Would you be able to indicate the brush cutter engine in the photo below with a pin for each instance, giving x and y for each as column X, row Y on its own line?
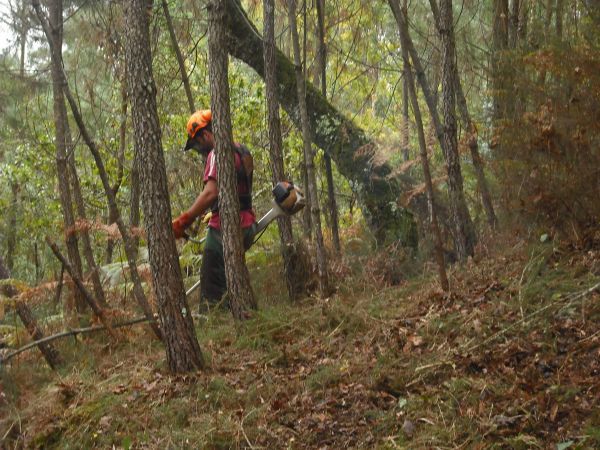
column 289, row 197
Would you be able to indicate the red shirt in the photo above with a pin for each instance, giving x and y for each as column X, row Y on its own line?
column 247, row 217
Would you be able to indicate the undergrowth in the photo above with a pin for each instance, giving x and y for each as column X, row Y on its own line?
column 509, row 359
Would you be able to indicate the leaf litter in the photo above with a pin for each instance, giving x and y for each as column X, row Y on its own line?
column 510, row 357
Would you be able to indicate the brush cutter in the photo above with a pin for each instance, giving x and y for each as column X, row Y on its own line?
column 287, row 200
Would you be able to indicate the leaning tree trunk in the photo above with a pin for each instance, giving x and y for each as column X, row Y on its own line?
column 322, row 54
column 183, row 350
column 56, row 56
column 180, row 61
column 465, row 246
column 48, row 350
column 241, row 297
column 347, row 144
column 295, row 283
column 62, row 165
column 309, row 157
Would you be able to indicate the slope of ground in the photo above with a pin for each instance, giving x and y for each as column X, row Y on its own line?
column 510, row 359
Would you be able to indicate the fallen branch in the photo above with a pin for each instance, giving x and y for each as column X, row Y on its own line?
column 72, row 332
column 99, row 312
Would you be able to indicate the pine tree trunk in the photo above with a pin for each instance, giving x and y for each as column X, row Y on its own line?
column 465, row 245
column 49, row 352
column 309, row 157
column 295, row 284
column 62, row 164
column 179, row 336
column 184, row 76
column 322, row 53
column 241, row 297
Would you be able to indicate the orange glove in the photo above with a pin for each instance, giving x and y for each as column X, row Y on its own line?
column 180, row 224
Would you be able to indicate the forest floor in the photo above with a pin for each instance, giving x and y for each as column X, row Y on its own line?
column 510, row 359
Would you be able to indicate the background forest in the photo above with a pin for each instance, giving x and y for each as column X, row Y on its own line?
column 442, row 291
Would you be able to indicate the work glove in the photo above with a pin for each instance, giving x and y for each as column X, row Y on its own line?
column 181, row 223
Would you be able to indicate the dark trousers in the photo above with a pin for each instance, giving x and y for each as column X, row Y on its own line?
column 213, row 283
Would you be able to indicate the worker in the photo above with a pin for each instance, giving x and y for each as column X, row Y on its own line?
column 212, row 273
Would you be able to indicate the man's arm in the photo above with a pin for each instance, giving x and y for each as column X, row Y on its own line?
column 206, row 198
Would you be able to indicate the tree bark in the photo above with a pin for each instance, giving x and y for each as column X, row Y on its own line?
column 322, row 52
column 182, row 348
column 465, row 245
column 55, row 39
column 309, row 157
column 241, row 296
column 180, row 61
column 347, row 144
column 294, row 283
column 49, row 352
column 138, row 291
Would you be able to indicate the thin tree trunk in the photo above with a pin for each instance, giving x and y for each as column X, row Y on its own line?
column 138, row 291
column 464, row 232
column 241, row 296
column 11, row 232
column 180, row 61
column 295, row 284
column 55, row 8
column 473, row 140
column 499, row 45
column 322, row 52
column 405, row 126
column 523, row 19
column 88, row 252
column 306, row 214
column 309, row 157
column 434, row 227
column 98, row 311
column 49, row 352
column 559, row 19
column 465, row 246
column 513, row 24
column 179, row 336
column 110, row 245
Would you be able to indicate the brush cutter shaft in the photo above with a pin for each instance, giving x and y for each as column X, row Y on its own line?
column 288, row 200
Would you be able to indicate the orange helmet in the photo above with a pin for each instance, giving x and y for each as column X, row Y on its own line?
column 197, row 121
